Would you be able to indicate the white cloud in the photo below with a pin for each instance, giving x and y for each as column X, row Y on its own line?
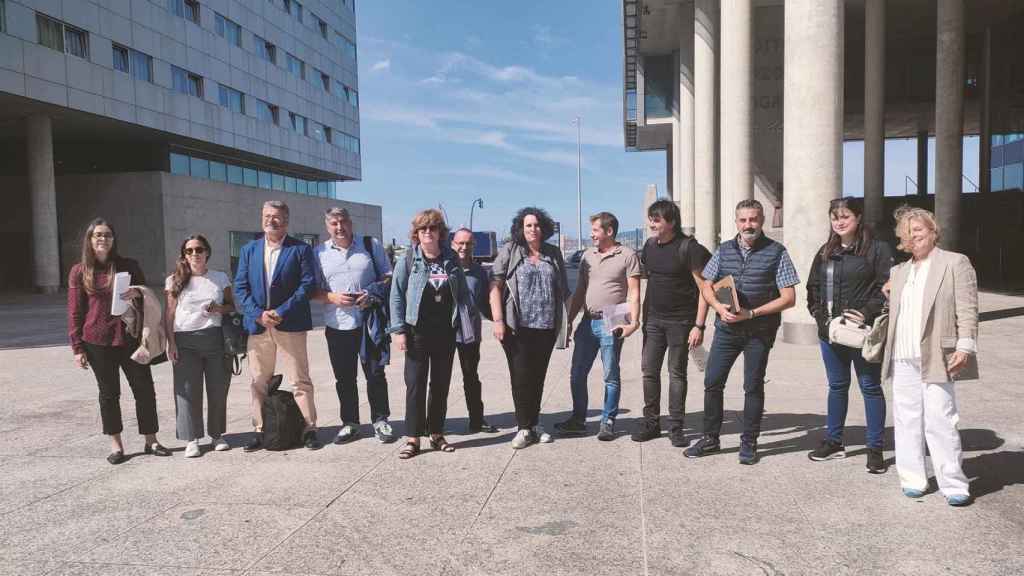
column 381, row 66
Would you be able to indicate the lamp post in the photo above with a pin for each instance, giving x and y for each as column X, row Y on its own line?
column 478, row 202
column 578, row 121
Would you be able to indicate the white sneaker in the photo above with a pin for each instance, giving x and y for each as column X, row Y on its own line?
column 220, row 444
column 542, row 436
column 192, row 449
column 523, row 439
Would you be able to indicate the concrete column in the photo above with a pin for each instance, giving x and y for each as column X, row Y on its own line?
column 737, row 109
column 685, row 147
column 650, row 197
column 670, row 168
column 985, row 145
column 949, row 119
column 874, row 112
column 45, row 249
column 922, row 162
column 705, row 151
column 812, row 157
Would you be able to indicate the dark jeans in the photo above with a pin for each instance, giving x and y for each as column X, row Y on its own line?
column 105, row 362
column 528, row 352
column 200, row 357
column 729, row 343
column 428, row 354
column 837, row 360
column 343, row 347
column 469, row 360
column 661, row 336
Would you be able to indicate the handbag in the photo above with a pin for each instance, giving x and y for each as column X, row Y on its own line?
column 874, row 343
column 235, row 340
column 848, row 329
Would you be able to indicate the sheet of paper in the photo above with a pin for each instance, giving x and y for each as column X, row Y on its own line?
column 615, row 315
column 122, row 280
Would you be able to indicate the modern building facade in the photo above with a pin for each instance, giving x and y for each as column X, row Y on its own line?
column 755, row 98
column 170, row 118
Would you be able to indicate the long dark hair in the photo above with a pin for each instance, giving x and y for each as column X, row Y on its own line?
column 90, row 265
column 182, row 270
column 547, row 225
column 863, row 237
column 668, row 211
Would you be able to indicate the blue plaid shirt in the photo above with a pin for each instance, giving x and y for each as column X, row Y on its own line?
column 785, row 276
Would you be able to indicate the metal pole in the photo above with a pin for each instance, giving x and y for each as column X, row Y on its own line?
column 579, row 183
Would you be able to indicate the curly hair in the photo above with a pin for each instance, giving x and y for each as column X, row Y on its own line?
column 425, row 218
column 547, row 225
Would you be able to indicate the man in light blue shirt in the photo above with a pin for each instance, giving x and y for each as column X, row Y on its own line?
column 352, row 269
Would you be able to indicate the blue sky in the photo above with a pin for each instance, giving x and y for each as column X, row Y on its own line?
column 465, row 99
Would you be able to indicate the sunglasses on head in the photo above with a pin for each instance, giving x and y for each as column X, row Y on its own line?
column 196, row 250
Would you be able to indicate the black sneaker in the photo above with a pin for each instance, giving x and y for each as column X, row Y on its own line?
column 828, row 450
column 876, row 462
column 678, row 437
column 310, row 441
column 255, row 444
column 748, row 453
column 646, row 430
column 706, row 445
column 481, row 426
column 571, row 427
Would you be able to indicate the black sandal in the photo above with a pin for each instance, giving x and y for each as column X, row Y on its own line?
column 116, row 457
column 409, row 450
column 439, row 443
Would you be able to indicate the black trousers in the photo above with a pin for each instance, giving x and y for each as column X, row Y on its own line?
column 429, row 355
column 662, row 336
column 105, row 362
column 343, row 348
column 528, row 352
column 469, row 360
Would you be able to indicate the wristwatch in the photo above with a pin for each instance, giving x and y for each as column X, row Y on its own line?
column 700, row 327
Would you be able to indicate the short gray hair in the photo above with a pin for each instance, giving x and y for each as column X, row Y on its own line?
column 749, row 203
column 277, row 205
column 337, row 212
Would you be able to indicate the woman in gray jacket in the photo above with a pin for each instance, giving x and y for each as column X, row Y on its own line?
column 431, row 308
column 529, row 291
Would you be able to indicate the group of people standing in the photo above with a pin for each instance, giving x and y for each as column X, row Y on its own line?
column 431, row 304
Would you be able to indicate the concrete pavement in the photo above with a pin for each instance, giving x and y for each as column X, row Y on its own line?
column 572, row 507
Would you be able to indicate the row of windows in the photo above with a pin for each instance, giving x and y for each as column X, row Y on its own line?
column 62, row 37
column 1009, row 177
column 185, row 165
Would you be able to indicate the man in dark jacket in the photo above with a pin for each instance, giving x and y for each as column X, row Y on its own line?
column 764, row 278
column 479, row 282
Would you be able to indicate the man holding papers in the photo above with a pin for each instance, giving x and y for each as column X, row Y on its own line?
column 608, row 292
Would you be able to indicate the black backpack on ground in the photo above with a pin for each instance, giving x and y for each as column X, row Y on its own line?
column 283, row 423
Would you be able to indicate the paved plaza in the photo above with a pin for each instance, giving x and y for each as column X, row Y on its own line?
column 577, row 506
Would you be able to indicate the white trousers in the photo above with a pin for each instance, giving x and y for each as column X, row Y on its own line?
column 926, row 412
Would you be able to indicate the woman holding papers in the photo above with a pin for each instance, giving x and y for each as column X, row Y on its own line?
column 99, row 338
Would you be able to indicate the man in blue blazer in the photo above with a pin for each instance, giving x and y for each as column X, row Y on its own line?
column 275, row 279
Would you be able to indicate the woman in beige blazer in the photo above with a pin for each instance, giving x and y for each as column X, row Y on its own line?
column 932, row 341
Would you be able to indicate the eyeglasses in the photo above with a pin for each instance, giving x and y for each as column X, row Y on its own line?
column 197, row 250
column 430, row 228
column 106, row 235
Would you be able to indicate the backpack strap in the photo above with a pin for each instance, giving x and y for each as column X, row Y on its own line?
column 368, row 246
column 684, row 246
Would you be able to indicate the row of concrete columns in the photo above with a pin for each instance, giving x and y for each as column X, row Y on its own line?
column 813, row 120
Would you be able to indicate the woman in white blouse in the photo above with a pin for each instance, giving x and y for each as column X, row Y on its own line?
column 932, row 341
column 196, row 299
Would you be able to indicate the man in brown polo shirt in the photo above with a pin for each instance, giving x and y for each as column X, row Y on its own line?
column 609, row 276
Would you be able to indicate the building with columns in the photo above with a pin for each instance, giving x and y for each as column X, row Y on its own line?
column 170, row 118
column 755, row 98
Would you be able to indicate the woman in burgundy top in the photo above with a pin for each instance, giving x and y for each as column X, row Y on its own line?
column 99, row 339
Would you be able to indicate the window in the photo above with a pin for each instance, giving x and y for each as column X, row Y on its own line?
column 295, row 66
column 320, row 25
column 316, row 131
column 353, row 98
column 231, row 99
column 179, row 164
column 265, row 179
column 229, row 30
column 298, row 122
column 328, row 135
column 249, row 177
column 266, row 111
column 289, row 184
column 199, row 168
column 293, row 8
column 325, row 81
column 277, row 181
column 265, row 50
column 187, row 9
column 62, row 37
column 186, row 82
column 218, row 171
column 235, row 174
column 121, row 58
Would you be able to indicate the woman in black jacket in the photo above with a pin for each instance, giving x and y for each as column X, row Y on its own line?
column 847, row 276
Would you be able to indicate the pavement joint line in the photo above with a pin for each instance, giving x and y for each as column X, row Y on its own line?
column 643, row 515
column 58, row 492
column 321, row 510
column 120, row 534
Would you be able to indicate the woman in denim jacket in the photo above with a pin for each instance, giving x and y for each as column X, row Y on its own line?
column 529, row 292
column 431, row 309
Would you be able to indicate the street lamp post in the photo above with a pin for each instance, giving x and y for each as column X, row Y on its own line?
column 478, row 202
column 579, row 182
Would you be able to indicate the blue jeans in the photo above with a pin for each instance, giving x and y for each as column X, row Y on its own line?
column 590, row 339
column 837, row 368
column 729, row 343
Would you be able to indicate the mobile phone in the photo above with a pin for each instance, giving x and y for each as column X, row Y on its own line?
column 617, row 332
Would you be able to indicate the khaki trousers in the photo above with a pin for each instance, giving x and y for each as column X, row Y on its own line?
column 263, row 349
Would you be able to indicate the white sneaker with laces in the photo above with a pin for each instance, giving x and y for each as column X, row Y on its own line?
column 192, row 449
column 542, row 436
column 220, row 444
column 523, row 439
